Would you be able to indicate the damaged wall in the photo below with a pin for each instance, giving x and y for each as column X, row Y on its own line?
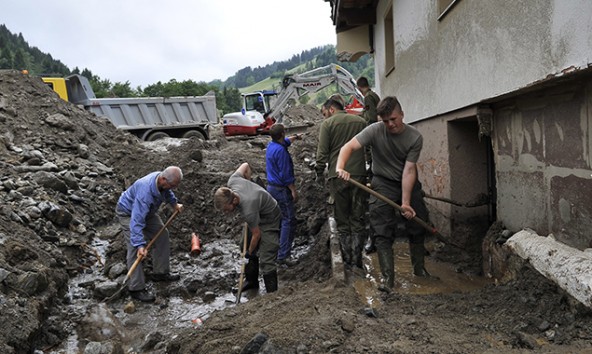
column 543, row 156
column 454, row 166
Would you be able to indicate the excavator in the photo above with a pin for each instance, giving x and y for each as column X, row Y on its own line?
column 262, row 109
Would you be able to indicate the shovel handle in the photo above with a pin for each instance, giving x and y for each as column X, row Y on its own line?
column 242, row 274
column 422, row 223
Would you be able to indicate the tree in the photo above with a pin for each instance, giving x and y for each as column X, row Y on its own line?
column 123, row 90
column 6, row 59
column 101, row 88
column 20, row 60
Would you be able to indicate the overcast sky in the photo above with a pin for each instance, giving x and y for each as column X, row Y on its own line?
column 146, row 41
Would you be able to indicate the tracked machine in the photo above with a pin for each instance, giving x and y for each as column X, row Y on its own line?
column 264, row 108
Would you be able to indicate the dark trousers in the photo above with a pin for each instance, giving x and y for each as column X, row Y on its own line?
column 384, row 219
column 283, row 196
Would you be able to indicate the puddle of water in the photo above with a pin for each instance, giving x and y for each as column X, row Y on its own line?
column 169, row 313
column 407, row 283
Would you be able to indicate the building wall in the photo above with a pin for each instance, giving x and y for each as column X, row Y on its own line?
column 543, row 157
column 481, row 53
column 479, row 50
column 454, row 166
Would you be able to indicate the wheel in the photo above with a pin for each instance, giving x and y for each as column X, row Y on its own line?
column 194, row 133
column 157, row 135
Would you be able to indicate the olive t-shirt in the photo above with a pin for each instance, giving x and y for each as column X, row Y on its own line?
column 256, row 205
column 391, row 151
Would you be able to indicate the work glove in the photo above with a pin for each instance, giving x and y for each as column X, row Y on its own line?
column 248, row 255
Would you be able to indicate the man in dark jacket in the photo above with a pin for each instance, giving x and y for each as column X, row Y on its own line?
column 281, row 185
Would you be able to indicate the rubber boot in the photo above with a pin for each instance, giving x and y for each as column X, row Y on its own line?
column 387, row 268
column 417, row 252
column 271, row 281
column 357, row 246
column 345, row 245
column 370, row 246
column 251, row 274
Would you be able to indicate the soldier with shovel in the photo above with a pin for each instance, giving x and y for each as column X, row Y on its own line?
column 396, row 147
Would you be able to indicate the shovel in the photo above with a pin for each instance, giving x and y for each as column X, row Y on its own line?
column 242, row 273
column 139, row 259
column 422, row 223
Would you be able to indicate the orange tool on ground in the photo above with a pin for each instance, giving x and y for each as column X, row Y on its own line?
column 195, row 245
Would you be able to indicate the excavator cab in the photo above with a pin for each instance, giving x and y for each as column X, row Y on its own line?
column 260, row 101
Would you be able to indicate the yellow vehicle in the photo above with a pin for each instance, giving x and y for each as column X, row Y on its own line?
column 58, row 84
column 149, row 118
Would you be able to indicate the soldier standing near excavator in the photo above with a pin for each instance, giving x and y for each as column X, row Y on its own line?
column 262, row 215
column 349, row 206
column 396, row 147
column 371, row 100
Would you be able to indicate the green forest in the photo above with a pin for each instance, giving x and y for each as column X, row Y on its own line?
column 16, row 53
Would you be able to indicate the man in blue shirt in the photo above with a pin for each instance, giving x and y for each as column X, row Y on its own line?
column 280, row 184
column 137, row 212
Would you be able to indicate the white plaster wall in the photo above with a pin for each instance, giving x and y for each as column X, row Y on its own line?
column 481, row 49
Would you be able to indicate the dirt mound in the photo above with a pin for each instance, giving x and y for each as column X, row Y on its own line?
column 62, row 172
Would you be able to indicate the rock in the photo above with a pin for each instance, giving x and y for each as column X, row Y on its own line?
column 130, row 307
column 60, row 121
column 100, row 325
column 32, row 283
column 196, row 155
column 83, row 151
column 209, row 296
column 116, row 270
column 50, row 180
column 33, row 212
column 105, row 289
column 254, row 346
column 348, row 324
column 526, row 340
column 151, row 341
column 3, row 274
column 55, row 214
column 70, row 180
column 544, row 326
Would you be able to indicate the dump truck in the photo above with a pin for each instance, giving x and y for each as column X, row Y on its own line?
column 148, row 118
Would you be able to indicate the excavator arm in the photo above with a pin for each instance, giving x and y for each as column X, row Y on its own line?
column 295, row 86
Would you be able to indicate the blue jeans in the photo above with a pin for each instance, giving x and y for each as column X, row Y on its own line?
column 288, row 223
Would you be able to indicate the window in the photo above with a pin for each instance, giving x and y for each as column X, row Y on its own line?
column 389, row 42
column 444, row 7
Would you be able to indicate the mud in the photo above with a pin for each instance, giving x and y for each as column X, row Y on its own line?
column 60, row 252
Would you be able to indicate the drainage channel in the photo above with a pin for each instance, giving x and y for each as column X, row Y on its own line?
column 204, row 287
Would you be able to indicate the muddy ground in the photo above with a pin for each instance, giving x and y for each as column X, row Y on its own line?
column 60, row 255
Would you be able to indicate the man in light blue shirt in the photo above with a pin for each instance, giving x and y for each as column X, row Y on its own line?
column 137, row 212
